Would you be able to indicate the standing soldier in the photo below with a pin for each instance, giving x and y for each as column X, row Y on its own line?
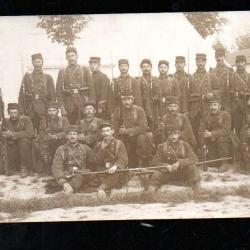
column 203, row 85
column 125, row 83
column 74, row 86
column 52, row 133
column 224, row 75
column 111, row 155
column 183, row 80
column 215, row 131
column 102, row 88
column 18, row 132
column 70, row 157
column 148, row 87
column 180, row 161
column 239, row 91
column 90, row 126
column 37, row 88
column 166, row 86
column 130, row 125
column 172, row 117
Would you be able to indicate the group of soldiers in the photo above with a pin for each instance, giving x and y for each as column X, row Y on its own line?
column 87, row 123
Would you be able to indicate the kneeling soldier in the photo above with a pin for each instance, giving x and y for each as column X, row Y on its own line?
column 70, row 157
column 18, row 132
column 179, row 159
column 90, row 126
column 52, row 133
column 130, row 125
column 214, row 132
column 111, row 155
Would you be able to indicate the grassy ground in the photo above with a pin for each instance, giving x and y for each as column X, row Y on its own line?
column 215, row 187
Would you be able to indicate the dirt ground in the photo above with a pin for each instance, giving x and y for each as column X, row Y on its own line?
column 222, row 195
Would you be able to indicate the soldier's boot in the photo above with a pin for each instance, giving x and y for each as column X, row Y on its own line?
column 24, row 172
column 101, row 194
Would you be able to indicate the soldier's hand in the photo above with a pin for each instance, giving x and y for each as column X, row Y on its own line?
column 169, row 168
column 105, row 142
column 68, row 190
column 175, row 166
column 207, row 134
column 112, row 170
column 52, row 137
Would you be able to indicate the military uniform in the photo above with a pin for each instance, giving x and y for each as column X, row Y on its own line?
column 113, row 154
column 67, row 157
column 124, row 84
column 183, row 79
column 166, row 86
column 102, row 90
column 91, row 131
column 135, row 121
column 239, row 92
column 74, row 87
column 170, row 153
column 37, row 88
column 19, row 144
column 185, row 128
column 224, row 75
column 201, row 84
column 219, row 124
column 47, row 146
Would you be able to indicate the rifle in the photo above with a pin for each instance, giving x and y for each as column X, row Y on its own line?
column 161, row 129
column 204, row 149
column 228, row 92
column 148, row 170
column 4, row 149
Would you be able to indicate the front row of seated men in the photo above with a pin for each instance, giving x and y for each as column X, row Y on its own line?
column 96, row 145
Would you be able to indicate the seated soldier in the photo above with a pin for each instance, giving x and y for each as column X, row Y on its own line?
column 111, row 155
column 90, row 126
column 214, row 133
column 130, row 125
column 172, row 117
column 245, row 145
column 179, row 159
column 18, row 132
column 70, row 157
column 52, row 133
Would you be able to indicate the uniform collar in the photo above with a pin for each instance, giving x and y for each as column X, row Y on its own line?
column 164, row 76
column 39, row 71
column 201, row 71
column 73, row 146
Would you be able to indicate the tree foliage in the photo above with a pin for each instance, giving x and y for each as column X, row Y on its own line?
column 243, row 41
column 63, row 29
column 206, row 23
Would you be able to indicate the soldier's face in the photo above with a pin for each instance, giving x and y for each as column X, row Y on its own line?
column 52, row 112
column 163, row 69
column 123, row 68
column 214, row 107
column 219, row 59
column 173, row 108
column 127, row 102
column 37, row 63
column 107, row 132
column 71, row 57
column 146, row 68
column 180, row 66
column 89, row 111
column 174, row 136
column 14, row 114
column 94, row 66
column 72, row 137
column 200, row 63
column 241, row 65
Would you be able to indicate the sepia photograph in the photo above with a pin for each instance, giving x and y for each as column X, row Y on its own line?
column 124, row 116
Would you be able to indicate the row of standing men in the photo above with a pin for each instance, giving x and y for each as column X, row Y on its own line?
column 135, row 106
